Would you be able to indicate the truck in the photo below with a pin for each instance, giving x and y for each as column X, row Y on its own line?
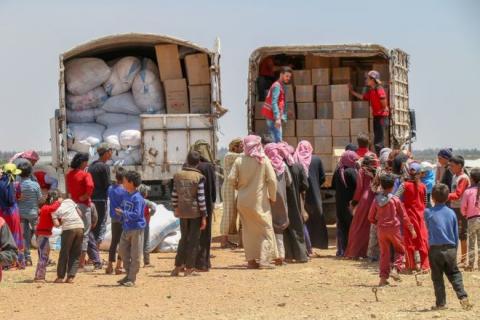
column 360, row 58
column 165, row 138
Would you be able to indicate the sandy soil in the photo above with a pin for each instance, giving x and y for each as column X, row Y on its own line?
column 325, row 288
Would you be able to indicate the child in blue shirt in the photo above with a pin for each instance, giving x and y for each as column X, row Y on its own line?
column 133, row 222
column 443, row 240
column 116, row 194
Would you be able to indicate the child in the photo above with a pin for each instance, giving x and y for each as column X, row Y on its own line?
column 43, row 232
column 388, row 214
column 150, row 209
column 68, row 215
column 188, row 200
column 428, row 179
column 443, row 239
column 460, row 183
column 133, row 222
column 30, row 198
column 363, row 142
column 116, row 194
column 414, row 197
column 471, row 210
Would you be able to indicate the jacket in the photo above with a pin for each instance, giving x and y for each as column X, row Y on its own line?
column 188, row 195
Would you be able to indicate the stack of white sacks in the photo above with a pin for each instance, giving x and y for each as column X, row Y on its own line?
column 104, row 102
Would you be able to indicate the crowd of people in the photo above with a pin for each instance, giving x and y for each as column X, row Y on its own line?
column 408, row 216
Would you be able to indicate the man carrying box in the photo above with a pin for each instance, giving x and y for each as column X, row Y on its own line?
column 275, row 106
column 378, row 101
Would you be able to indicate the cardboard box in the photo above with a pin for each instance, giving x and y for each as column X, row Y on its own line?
column 327, row 162
column 288, row 129
column 340, row 92
column 260, row 127
column 309, row 139
column 341, row 75
column 258, row 110
column 168, row 62
column 324, row 110
column 323, row 93
column 293, row 141
column 176, row 96
column 200, row 99
column 342, row 110
column 289, row 94
column 304, row 128
column 383, row 68
column 360, row 109
column 341, row 128
column 321, row 76
column 198, row 70
column 358, row 126
column 304, row 93
column 322, row 128
column 323, row 145
column 313, row 62
column 306, row 110
column 302, row 77
column 341, row 142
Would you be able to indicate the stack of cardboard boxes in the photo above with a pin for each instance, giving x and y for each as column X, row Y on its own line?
column 190, row 94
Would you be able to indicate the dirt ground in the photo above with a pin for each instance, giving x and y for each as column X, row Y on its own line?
column 325, row 288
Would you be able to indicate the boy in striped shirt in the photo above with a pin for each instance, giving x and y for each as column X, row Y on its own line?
column 188, row 200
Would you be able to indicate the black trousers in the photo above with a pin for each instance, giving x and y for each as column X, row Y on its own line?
column 380, row 125
column 204, row 244
column 117, row 230
column 100, row 228
column 443, row 260
column 71, row 248
column 188, row 245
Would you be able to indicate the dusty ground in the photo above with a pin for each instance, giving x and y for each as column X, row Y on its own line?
column 325, row 288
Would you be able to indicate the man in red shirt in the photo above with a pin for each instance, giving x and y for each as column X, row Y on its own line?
column 266, row 76
column 378, row 101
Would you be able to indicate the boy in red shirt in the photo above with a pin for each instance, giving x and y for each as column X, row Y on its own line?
column 388, row 213
column 460, row 183
column 378, row 101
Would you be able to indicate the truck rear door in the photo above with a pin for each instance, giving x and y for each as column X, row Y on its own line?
column 399, row 98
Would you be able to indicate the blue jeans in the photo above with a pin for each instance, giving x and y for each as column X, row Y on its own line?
column 28, row 227
column 275, row 133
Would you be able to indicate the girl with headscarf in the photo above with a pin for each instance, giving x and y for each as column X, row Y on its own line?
column 207, row 168
column 253, row 176
column 316, row 225
column 344, row 182
column 359, row 233
column 294, row 236
column 413, row 194
column 9, row 208
column 228, row 224
column 279, row 207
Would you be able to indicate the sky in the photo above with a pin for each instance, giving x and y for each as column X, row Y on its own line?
column 442, row 38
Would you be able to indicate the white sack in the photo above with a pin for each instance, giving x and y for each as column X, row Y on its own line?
column 84, row 116
column 170, row 243
column 162, row 224
column 92, row 99
column 148, row 92
column 130, row 138
column 110, row 119
column 112, row 134
column 129, row 157
column 123, row 103
column 85, row 135
column 123, row 73
column 85, row 74
column 149, row 64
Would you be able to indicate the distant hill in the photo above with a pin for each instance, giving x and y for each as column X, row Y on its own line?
column 431, row 154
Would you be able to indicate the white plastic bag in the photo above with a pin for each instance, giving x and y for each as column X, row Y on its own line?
column 162, row 224
column 148, row 92
column 110, row 119
column 148, row 64
column 92, row 99
column 170, row 243
column 123, row 103
column 123, row 73
column 83, row 116
column 85, row 74
column 112, row 134
column 130, row 138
